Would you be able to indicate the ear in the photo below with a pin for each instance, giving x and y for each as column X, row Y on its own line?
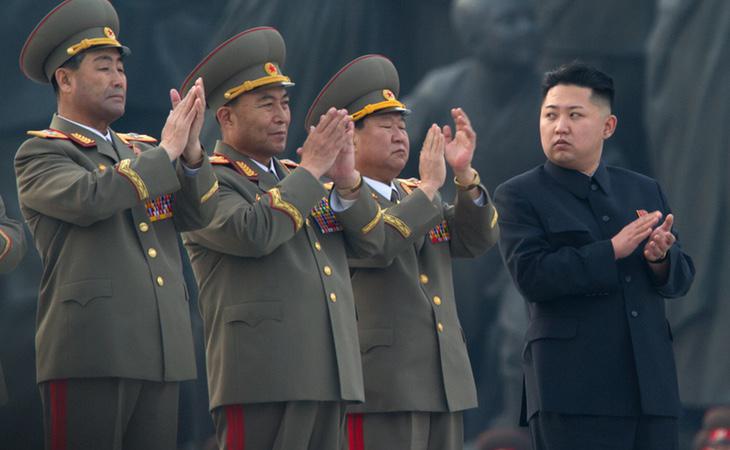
column 63, row 79
column 223, row 114
column 609, row 126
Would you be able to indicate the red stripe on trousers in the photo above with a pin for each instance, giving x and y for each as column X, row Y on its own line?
column 355, row 432
column 59, row 438
column 234, row 427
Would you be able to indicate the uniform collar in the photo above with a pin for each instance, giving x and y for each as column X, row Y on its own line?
column 260, row 171
column 577, row 182
column 107, row 137
column 381, row 188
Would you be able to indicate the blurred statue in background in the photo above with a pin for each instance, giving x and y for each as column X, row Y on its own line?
column 688, row 106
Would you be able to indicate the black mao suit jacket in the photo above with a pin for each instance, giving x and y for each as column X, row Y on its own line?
column 598, row 342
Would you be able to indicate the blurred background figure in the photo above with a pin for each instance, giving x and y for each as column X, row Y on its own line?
column 715, row 432
column 688, row 108
column 497, row 84
column 610, row 36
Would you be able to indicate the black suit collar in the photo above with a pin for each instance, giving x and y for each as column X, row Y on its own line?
column 577, row 182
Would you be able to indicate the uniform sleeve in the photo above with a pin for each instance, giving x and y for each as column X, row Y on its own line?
column 404, row 224
column 362, row 225
column 681, row 268
column 473, row 228
column 12, row 241
column 541, row 272
column 197, row 200
column 53, row 181
column 246, row 226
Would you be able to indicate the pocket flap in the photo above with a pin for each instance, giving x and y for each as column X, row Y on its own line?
column 565, row 225
column 82, row 292
column 552, row 328
column 375, row 337
column 253, row 313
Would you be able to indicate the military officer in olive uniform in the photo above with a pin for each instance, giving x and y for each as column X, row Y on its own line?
column 275, row 294
column 12, row 250
column 417, row 373
column 113, row 335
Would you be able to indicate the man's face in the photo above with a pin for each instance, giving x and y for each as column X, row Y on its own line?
column 259, row 122
column 98, row 88
column 499, row 32
column 382, row 146
column 573, row 126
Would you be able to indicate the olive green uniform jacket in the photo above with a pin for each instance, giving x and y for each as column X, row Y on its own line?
column 413, row 348
column 275, row 291
column 112, row 300
column 12, row 250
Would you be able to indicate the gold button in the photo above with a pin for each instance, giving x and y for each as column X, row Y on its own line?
column 436, row 300
column 160, row 281
column 440, row 327
column 143, row 227
column 152, row 252
column 327, row 270
column 333, row 297
column 318, row 246
column 423, row 278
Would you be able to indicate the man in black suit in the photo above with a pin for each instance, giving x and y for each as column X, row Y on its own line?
column 587, row 247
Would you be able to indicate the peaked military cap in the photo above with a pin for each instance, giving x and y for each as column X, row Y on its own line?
column 249, row 60
column 366, row 85
column 69, row 29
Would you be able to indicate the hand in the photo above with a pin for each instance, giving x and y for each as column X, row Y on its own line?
column 343, row 173
column 459, row 149
column 432, row 166
column 324, row 142
column 660, row 241
column 193, row 153
column 626, row 241
column 176, row 131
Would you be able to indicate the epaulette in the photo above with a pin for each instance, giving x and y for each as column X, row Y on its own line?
column 239, row 166
column 218, row 159
column 409, row 184
column 288, row 165
column 47, row 134
column 134, row 137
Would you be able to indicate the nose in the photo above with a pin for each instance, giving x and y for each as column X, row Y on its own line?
column 280, row 114
column 119, row 78
column 399, row 135
column 561, row 125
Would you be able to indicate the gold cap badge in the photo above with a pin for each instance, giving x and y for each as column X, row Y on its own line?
column 271, row 69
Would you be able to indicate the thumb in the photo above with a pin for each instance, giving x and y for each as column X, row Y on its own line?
column 668, row 222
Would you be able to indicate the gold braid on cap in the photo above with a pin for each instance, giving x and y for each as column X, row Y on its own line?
column 371, row 108
column 93, row 42
column 253, row 84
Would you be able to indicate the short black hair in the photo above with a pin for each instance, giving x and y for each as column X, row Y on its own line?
column 73, row 63
column 583, row 75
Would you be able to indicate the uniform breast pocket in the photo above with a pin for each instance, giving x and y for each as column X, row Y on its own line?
column 565, row 232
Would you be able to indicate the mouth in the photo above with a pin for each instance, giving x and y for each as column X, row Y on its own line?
column 561, row 143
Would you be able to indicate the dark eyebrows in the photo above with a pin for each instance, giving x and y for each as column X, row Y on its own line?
column 558, row 107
